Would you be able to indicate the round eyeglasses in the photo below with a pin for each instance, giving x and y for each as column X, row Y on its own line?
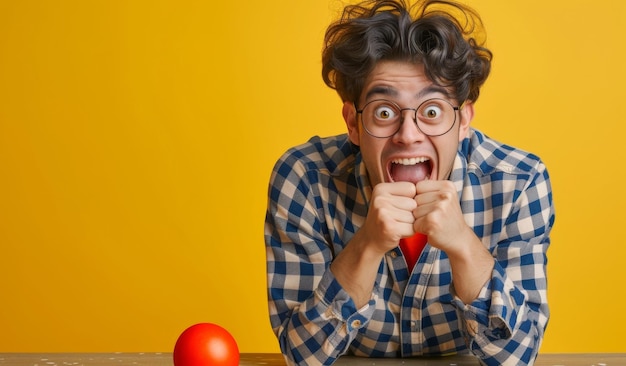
column 383, row 118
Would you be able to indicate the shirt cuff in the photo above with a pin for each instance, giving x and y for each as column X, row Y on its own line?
column 335, row 302
column 495, row 312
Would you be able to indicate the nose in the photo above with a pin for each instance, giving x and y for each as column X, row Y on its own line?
column 409, row 132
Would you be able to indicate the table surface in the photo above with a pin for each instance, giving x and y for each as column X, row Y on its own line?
column 270, row 359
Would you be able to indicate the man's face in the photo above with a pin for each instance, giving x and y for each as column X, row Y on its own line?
column 399, row 157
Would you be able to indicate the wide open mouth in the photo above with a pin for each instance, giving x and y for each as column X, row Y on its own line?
column 410, row 169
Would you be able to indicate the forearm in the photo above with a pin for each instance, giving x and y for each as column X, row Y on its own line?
column 471, row 265
column 500, row 324
column 501, row 298
column 512, row 312
column 321, row 328
column 356, row 268
column 505, row 324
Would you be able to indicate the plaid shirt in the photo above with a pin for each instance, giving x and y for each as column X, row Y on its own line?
column 318, row 199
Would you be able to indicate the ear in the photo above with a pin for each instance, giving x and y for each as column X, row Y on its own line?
column 467, row 115
column 349, row 116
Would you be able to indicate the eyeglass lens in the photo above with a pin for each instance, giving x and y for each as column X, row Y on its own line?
column 383, row 118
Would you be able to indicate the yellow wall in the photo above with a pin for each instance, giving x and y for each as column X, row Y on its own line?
column 137, row 137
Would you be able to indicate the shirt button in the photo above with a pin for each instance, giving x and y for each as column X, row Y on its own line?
column 393, row 254
column 355, row 324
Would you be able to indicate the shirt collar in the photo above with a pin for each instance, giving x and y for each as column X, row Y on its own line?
column 459, row 169
column 362, row 179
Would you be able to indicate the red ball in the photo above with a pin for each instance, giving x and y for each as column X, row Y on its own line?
column 206, row 344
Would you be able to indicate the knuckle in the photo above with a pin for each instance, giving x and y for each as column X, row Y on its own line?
column 446, row 195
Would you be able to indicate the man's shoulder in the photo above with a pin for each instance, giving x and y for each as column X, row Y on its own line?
column 486, row 156
column 331, row 154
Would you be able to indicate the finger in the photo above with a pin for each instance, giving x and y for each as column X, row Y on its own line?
column 404, row 216
column 393, row 208
column 391, row 224
column 404, row 204
column 404, row 189
column 435, row 191
column 397, row 195
column 426, row 198
column 426, row 186
column 436, row 210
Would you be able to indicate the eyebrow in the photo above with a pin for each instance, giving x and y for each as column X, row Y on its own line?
column 381, row 90
column 391, row 92
column 432, row 89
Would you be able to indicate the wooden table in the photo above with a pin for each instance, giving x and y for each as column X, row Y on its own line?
column 270, row 359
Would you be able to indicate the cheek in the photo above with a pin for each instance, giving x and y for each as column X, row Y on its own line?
column 372, row 153
column 446, row 153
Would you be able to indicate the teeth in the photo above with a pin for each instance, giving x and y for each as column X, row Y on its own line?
column 410, row 161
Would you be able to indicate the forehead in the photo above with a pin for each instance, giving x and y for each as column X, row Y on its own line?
column 399, row 80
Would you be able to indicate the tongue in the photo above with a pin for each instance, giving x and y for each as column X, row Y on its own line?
column 410, row 173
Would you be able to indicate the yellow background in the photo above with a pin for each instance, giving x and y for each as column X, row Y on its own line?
column 137, row 137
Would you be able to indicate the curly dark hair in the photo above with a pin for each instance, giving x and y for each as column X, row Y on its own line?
column 441, row 35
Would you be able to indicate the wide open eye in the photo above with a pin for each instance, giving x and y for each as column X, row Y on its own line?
column 432, row 112
column 385, row 113
column 381, row 118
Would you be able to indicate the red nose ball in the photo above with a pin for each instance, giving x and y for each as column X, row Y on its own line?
column 206, row 344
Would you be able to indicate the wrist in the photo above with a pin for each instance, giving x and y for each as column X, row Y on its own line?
column 465, row 247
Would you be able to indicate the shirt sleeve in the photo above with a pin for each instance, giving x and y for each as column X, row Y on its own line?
column 506, row 323
column 313, row 317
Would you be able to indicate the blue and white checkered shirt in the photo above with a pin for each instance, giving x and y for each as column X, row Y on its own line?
column 318, row 199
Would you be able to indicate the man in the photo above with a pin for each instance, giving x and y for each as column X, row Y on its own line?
column 413, row 234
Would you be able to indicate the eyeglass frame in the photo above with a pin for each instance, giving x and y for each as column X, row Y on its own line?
column 400, row 109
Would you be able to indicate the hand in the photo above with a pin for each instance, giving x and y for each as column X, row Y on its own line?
column 439, row 216
column 390, row 215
